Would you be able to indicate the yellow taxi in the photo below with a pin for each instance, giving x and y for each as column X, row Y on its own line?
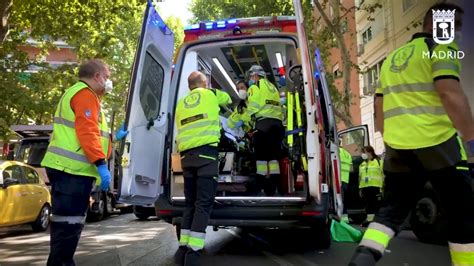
column 24, row 197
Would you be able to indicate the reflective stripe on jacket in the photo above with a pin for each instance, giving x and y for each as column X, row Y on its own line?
column 263, row 102
column 371, row 174
column 346, row 162
column 64, row 151
column 197, row 119
column 414, row 116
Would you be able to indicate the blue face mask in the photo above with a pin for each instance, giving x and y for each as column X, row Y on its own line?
column 251, row 82
column 283, row 100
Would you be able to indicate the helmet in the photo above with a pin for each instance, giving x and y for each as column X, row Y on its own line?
column 256, row 69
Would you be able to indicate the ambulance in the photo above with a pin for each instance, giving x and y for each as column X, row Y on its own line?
column 224, row 50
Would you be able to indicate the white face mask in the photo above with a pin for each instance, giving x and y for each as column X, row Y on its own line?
column 242, row 94
column 108, row 86
column 365, row 156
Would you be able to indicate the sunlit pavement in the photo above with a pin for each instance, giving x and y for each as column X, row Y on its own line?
column 123, row 240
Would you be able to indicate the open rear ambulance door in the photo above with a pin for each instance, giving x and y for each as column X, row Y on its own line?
column 332, row 157
column 146, row 119
column 312, row 132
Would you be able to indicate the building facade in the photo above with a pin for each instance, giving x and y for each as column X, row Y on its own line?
column 348, row 27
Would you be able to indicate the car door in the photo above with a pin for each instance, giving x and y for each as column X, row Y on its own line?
column 36, row 197
column 353, row 140
column 147, row 113
column 15, row 197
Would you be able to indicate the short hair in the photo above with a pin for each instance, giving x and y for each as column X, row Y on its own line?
column 195, row 78
column 90, row 67
column 441, row 6
column 240, row 81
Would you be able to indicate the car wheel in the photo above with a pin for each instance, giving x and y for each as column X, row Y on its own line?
column 100, row 214
column 42, row 221
column 427, row 223
column 141, row 216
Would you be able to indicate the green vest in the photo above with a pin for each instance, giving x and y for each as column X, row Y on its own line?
column 264, row 102
column 64, row 151
column 197, row 120
column 346, row 162
column 414, row 116
column 371, row 174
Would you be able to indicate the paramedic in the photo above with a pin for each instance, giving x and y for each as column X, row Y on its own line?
column 346, row 169
column 419, row 108
column 370, row 179
column 264, row 106
column 197, row 118
column 76, row 158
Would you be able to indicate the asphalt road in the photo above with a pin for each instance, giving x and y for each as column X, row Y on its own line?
column 124, row 240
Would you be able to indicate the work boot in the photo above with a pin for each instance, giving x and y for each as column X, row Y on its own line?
column 193, row 258
column 179, row 255
column 364, row 256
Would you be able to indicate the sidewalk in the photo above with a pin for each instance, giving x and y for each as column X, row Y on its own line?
column 119, row 240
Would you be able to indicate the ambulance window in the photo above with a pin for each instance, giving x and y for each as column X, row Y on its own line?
column 151, row 87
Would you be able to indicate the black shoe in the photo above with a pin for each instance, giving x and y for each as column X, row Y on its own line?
column 193, row 258
column 180, row 254
column 365, row 256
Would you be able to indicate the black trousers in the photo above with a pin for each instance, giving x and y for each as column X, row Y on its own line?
column 200, row 173
column 405, row 174
column 70, row 200
column 267, row 143
column 371, row 197
column 267, row 139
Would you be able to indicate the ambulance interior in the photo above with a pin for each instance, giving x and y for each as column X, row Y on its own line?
column 226, row 62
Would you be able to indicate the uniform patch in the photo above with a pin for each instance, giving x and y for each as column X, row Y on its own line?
column 88, row 113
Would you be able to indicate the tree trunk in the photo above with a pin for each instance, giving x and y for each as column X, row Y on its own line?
column 5, row 8
column 334, row 26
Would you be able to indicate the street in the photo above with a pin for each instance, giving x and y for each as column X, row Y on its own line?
column 124, row 240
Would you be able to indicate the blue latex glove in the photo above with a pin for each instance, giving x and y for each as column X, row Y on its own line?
column 104, row 177
column 239, row 124
column 121, row 133
column 470, row 146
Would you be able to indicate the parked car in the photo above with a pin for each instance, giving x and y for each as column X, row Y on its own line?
column 24, row 196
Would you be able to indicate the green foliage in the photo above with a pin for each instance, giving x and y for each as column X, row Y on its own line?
column 177, row 28
column 205, row 10
column 95, row 28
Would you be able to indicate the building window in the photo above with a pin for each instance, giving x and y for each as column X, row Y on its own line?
column 336, row 71
column 367, row 35
column 371, row 77
column 407, row 4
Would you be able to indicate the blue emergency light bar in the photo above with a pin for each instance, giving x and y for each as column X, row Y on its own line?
column 220, row 24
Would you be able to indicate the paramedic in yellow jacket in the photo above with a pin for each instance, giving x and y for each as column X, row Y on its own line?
column 420, row 107
column 263, row 106
column 235, row 120
column 198, row 124
column 370, row 179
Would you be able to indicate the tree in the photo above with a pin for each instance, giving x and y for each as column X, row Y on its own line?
column 177, row 28
column 332, row 36
column 96, row 29
column 204, row 10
